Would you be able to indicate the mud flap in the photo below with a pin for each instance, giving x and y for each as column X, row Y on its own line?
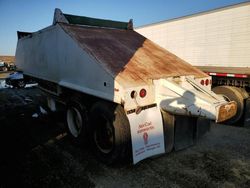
column 168, row 127
column 202, row 127
column 146, row 134
column 188, row 130
column 185, row 132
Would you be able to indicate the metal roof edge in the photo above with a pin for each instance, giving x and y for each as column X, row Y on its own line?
column 197, row 14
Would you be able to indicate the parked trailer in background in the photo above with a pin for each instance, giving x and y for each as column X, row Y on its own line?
column 123, row 93
column 218, row 43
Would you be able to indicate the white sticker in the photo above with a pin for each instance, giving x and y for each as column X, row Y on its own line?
column 146, row 134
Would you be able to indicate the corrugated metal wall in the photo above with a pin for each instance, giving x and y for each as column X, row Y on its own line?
column 216, row 38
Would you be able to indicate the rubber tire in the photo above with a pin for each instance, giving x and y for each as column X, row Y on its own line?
column 233, row 94
column 117, row 119
column 78, row 105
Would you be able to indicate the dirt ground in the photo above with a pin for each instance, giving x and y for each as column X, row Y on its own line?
column 36, row 152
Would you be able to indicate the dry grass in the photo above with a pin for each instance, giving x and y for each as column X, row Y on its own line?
column 7, row 59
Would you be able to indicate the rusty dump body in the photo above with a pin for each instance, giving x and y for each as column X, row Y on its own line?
column 109, row 60
column 128, row 56
column 104, row 70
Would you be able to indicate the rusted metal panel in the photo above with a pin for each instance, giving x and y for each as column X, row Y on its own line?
column 128, row 56
column 226, row 111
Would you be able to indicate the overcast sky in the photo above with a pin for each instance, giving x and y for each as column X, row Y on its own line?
column 32, row 15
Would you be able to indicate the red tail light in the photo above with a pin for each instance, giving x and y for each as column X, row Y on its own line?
column 207, row 82
column 143, row 93
column 202, row 82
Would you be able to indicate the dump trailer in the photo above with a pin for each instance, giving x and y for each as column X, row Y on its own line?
column 125, row 96
column 218, row 43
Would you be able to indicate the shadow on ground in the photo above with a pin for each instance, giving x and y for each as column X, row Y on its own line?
column 36, row 152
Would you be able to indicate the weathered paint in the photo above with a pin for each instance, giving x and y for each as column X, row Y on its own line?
column 112, row 63
column 188, row 97
column 128, row 56
column 52, row 55
column 225, row 111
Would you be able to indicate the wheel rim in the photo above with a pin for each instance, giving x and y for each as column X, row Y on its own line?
column 74, row 121
column 104, row 135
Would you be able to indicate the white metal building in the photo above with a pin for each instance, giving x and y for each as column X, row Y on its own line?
column 218, row 37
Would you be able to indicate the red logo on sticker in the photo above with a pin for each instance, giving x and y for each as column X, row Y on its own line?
column 145, row 138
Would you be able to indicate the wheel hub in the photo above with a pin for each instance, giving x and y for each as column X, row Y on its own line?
column 103, row 136
column 74, row 121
